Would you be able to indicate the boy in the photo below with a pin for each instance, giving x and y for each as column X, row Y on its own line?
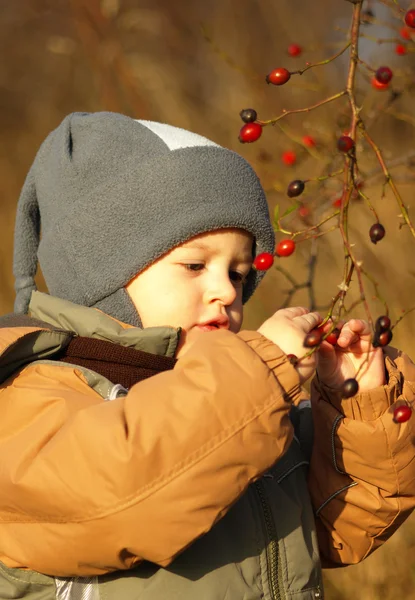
column 138, row 420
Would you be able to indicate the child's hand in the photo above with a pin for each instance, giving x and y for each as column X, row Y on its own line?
column 343, row 361
column 287, row 328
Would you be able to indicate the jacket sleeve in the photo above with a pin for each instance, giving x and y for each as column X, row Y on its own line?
column 362, row 471
column 88, row 486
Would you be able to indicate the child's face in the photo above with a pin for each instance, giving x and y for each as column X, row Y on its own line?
column 196, row 286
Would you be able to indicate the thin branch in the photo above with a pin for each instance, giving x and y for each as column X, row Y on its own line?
column 389, row 179
column 302, row 110
column 321, row 63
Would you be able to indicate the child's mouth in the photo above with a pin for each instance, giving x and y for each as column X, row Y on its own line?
column 210, row 327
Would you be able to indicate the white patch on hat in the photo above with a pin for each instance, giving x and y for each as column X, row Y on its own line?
column 175, row 137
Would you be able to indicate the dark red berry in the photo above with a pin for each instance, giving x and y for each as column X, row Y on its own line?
column 383, row 323
column 292, row 358
column 289, row 158
column 248, row 115
column 295, row 188
column 333, row 336
column 312, row 339
column 350, row 388
column 402, row 413
column 278, row 76
column 294, row 50
column 410, row 18
column 384, row 74
column 376, row 233
column 285, row 248
column 345, row 143
column 263, row 261
column 382, row 338
column 250, row 132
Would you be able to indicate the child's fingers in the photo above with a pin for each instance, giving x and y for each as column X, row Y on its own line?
column 293, row 311
column 328, row 325
column 326, row 351
column 310, row 320
column 353, row 331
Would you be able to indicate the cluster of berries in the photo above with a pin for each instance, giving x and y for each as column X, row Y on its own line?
column 382, row 337
column 383, row 333
column 405, row 32
column 250, row 132
column 265, row 260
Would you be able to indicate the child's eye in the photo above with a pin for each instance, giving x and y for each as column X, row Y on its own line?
column 194, row 266
column 237, row 277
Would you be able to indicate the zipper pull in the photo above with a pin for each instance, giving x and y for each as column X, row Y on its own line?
column 116, row 391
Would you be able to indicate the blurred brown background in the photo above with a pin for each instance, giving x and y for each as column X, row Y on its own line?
column 196, row 65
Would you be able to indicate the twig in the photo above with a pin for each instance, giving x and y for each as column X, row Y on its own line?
column 389, row 179
column 301, row 110
column 403, row 316
column 321, row 63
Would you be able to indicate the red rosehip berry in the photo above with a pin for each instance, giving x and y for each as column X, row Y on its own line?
column 350, row 388
column 250, row 132
column 309, row 141
column 303, row 211
column 294, row 50
column 278, row 76
column 405, row 33
column 402, row 413
column 312, row 339
column 384, row 74
column 333, row 336
column 285, row 248
column 289, row 158
column 295, row 188
column 377, row 233
column 378, row 85
column 382, row 338
column 263, row 261
column 337, row 203
column 292, row 358
column 400, row 49
column 345, row 143
column 248, row 115
column 383, row 323
column 410, row 18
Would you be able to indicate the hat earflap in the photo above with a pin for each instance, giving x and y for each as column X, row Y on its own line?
column 26, row 243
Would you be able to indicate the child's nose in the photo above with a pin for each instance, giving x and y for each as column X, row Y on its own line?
column 221, row 289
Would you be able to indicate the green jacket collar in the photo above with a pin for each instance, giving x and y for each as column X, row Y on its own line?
column 90, row 322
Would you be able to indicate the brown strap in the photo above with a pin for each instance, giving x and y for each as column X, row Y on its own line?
column 119, row 364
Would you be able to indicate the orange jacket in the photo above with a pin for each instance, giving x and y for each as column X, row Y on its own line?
column 83, row 480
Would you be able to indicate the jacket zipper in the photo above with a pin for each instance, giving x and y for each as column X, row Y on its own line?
column 271, row 549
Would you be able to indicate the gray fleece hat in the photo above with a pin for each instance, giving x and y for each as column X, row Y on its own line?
column 107, row 195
